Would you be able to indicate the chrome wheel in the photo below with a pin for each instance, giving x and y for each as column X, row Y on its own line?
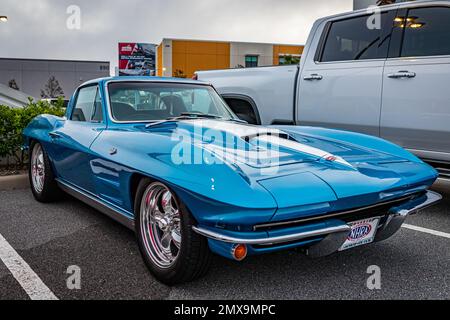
column 37, row 168
column 160, row 225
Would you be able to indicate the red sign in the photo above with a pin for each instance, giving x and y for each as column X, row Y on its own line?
column 137, row 59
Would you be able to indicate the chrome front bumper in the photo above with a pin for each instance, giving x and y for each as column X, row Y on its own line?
column 397, row 215
column 334, row 237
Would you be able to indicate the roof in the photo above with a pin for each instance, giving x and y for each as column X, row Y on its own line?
column 54, row 60
column 399, row 5
column 13, row 98
column 146, row 79
column 231, row 41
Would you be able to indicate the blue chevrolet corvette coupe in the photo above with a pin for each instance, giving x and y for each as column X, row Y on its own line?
column 170, row 160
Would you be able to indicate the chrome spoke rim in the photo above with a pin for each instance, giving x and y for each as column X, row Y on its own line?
column 160, row 225
column 37, row 168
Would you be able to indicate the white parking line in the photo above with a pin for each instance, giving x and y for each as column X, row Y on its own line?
column 21, row 271
column 425, row 230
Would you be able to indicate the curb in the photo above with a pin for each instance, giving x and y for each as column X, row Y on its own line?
column 14, row 182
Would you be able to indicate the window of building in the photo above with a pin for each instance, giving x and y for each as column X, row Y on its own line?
column 351, row 39
column 251, row 61
column 427, row 32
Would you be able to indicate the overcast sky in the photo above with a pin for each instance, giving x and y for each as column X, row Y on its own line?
column 37, row 28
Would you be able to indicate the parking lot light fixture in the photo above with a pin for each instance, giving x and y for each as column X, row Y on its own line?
column 3, row 19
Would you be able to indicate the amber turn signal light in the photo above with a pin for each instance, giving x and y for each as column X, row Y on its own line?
column 239, row 252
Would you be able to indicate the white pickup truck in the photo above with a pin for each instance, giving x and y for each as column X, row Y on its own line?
column 386, row 75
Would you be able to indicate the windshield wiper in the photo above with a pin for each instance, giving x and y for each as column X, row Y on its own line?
column 200, row 115
column 238, row 120
column 185, row 116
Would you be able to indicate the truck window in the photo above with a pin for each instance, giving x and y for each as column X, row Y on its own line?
column 352, row 39
column 427, row 32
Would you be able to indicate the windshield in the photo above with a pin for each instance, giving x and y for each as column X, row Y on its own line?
column 153, row 101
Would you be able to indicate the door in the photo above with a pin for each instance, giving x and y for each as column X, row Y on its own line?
column 71, row 142
column 341, row 83
column 416, row 90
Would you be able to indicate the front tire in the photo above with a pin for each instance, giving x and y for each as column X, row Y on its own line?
column 42, row 180
column 172, row 251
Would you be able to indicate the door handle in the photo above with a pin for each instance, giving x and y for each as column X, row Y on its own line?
column 402, row 74
column 313, row 76
column 54, row 135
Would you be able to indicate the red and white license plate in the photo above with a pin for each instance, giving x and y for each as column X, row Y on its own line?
column 363, row 232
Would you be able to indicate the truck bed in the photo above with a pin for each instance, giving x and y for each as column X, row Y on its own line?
column 270, row 88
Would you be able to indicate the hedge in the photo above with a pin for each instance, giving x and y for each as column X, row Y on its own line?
column 14, row 120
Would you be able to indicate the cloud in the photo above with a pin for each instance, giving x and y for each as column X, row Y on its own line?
column 37, row 29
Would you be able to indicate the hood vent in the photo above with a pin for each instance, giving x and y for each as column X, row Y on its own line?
column 281, row 135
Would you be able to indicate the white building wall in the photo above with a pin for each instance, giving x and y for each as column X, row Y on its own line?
column 362, row 4
column 167, row 58
column 238, row 51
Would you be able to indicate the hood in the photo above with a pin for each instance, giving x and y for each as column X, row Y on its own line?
column 298, row 168
column 258, row 147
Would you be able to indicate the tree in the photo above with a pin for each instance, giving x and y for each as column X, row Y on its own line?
column 385, row 2
column 179, row 74
column 13, row 84
column 52, row 89
column 289, row 60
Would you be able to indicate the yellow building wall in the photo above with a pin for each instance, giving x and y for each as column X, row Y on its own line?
column 159, row 66
column 284, row 49
column 191, row 56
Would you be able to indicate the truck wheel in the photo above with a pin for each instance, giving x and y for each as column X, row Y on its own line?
column 42, row 181
column 172, row 251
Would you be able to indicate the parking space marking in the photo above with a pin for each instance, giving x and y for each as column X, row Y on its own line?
column 425, row 230
column 21, row 271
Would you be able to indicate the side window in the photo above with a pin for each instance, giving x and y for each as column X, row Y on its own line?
column 426, row 32
column 88, row 106
column 352, row 39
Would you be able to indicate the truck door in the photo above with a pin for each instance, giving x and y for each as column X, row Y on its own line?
column 416, row 93
column 340, row 85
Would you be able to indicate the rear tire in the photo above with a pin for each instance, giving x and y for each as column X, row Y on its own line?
column 172, row 251
column 42, row 180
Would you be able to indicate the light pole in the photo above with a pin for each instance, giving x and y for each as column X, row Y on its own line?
column 3, row 19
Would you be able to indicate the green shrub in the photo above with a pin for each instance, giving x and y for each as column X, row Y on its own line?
column 13, row 121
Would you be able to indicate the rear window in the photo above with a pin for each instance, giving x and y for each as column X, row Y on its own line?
column 426, row 32
column 352, row 39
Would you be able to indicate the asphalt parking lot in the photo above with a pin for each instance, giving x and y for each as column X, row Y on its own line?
column 50, row 238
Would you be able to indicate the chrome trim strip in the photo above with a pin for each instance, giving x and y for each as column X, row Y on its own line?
column 327, row 216
column 90, row 200
column 271, row 240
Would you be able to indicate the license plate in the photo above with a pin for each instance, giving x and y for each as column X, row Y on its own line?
column 363, row 232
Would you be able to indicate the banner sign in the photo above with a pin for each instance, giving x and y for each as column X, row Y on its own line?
column 137, row 59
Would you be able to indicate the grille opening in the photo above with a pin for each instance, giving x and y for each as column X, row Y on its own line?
column 306, row 241
column 378, row 210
